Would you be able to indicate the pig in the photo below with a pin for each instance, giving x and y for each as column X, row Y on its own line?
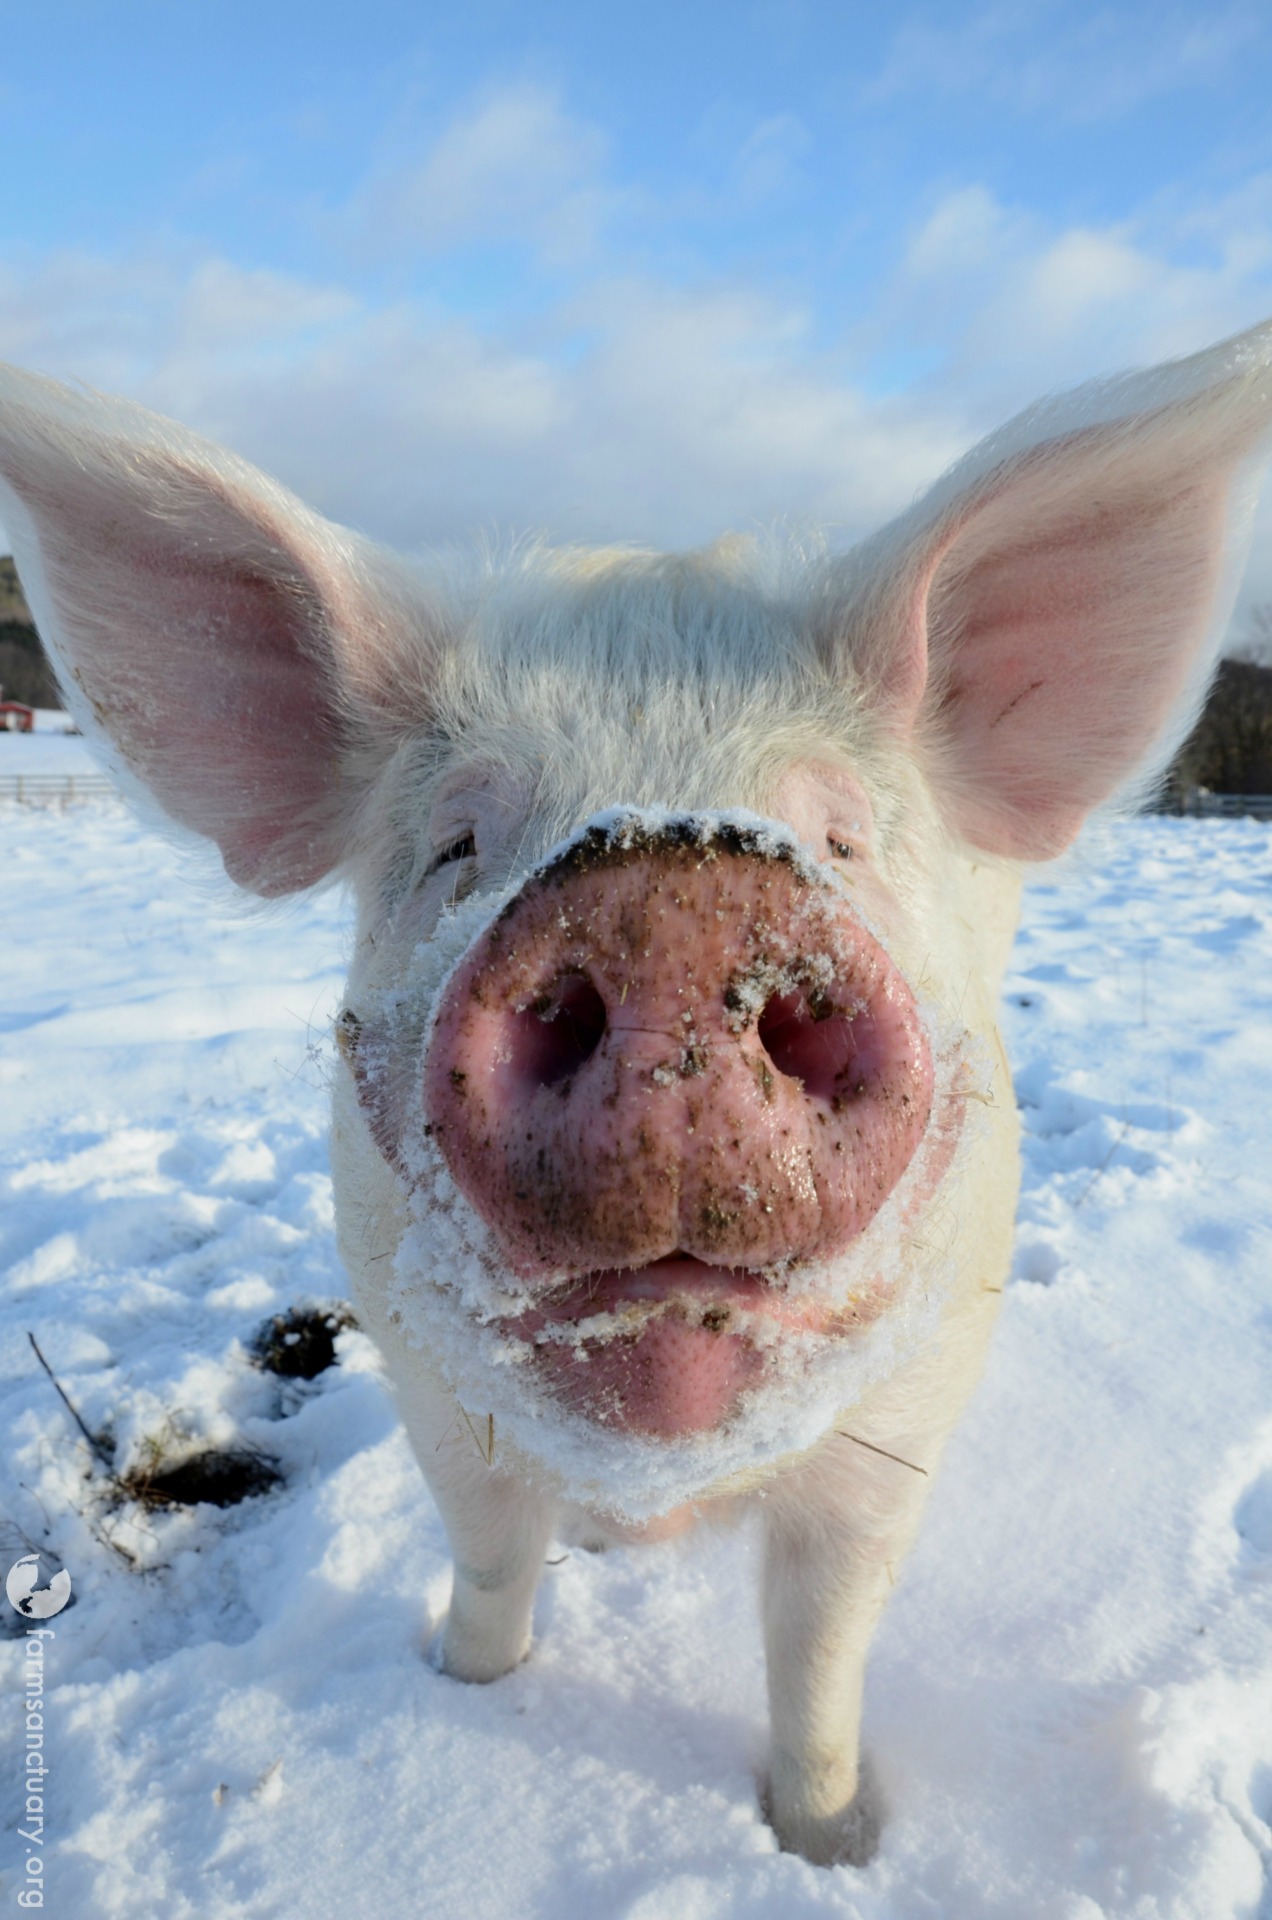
column 674, row 1146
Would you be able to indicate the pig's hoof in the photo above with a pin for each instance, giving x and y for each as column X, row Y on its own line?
column 471, row 1658
column 849, row 1837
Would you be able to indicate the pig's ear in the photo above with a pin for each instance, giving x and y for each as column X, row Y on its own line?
column 247, row 660
column 1045, row 620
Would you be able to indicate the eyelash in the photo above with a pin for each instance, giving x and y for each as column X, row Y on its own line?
column 465, row 848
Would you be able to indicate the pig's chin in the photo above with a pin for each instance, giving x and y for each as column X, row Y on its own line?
column 634, row 1390
column 667, row 1349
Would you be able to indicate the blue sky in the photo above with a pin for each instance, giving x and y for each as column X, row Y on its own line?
column 617, row 272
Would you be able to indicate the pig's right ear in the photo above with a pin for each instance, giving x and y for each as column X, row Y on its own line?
column 248, row 661
column 1042, row 626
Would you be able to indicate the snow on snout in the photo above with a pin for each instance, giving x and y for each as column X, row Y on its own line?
column 669, row 1042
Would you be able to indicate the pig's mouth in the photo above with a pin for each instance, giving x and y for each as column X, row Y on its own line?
column 667, row 1348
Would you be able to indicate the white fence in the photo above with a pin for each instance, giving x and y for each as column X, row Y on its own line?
column 1228, row 806
column 56, row 789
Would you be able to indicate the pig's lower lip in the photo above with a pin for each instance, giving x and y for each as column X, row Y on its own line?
column 664, row 1349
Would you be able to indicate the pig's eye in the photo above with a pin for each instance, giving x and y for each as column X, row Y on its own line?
column 462, row 849
column 841, row 849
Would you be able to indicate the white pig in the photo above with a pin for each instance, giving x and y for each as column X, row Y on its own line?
column 675, row 1151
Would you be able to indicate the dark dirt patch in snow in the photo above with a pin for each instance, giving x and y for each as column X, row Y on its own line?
column 301, row 1343
column 216, row 1478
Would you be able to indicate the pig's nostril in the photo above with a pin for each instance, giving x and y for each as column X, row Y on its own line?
column 836, row 1054
column 557, row 1032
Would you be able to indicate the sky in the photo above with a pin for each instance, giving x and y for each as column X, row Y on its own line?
column 620, row 274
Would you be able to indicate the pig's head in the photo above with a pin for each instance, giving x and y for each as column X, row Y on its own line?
column 654, row 1037
column 668, row 1071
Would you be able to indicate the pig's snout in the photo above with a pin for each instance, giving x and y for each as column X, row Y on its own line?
column 683, row 1047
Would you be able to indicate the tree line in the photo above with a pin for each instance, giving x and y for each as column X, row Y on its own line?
column 25, row 673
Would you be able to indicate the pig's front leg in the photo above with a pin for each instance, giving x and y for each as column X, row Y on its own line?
column 499, row 1529
column 498, row 1524
column 835, row 1530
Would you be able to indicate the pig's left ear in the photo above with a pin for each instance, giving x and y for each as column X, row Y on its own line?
column 1044, row 622
column 250, row 664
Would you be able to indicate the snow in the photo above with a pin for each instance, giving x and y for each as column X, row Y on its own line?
column 51, row 749
column 1069, row 1703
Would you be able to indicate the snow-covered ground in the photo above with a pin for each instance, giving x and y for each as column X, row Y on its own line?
column 1070, row 1700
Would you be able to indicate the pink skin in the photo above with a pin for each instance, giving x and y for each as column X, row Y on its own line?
column 679, row 1373
column 688, row 1351
column 663, row 1069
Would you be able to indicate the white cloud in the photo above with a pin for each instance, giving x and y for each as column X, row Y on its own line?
column 1018, row 307
column 224, row 307
column 639, row 410
column 1008, row 308
column 769, row 162
column 645, row 413
column 516, row 167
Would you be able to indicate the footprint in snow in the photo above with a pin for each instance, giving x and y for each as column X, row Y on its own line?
column 1253, row 1521
column 1223, row 938
column 1051, row 1110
